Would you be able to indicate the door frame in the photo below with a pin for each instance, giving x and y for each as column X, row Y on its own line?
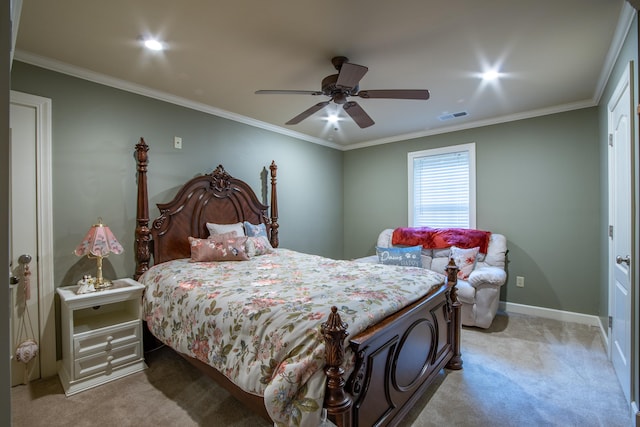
column 44, row 215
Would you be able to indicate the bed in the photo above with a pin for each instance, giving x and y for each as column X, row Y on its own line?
column 293, row 336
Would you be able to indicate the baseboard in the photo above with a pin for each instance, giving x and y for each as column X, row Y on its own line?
column 548, row 313
column 564, row 316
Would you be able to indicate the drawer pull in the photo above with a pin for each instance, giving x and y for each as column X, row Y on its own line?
column 109, row 338
column 109, row 359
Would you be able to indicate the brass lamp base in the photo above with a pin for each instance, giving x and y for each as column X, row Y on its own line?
column 101, row 283
column 104, row 284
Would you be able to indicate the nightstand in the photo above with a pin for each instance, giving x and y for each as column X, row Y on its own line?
column 101, row 335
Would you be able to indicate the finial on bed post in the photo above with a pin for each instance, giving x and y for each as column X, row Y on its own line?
column 452, row 272
column 274, row 206
column 456, row 307
column 142, row 233
column 337, row 401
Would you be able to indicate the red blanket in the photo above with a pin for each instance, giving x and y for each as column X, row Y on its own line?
column 440, row 238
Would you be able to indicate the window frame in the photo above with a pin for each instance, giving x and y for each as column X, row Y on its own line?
column 470, row 148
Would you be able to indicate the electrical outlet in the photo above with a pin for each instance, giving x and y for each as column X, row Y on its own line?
column 177, row 142
column 520, row 281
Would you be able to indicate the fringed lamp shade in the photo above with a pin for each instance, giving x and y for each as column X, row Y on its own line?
column 98, row 243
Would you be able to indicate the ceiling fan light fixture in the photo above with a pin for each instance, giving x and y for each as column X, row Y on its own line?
column 333, row 118
column 153, row 44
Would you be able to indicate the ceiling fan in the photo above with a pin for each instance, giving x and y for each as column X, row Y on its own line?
column 343, row 85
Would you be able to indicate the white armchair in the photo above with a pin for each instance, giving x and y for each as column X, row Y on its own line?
column 480, row 292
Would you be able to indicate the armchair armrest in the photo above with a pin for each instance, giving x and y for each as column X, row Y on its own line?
column 487, row 275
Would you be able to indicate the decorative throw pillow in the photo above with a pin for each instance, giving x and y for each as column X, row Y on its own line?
column 218, row 249
column 258, row 245
column 225, row 228
column 465, row 259
column 407, row 257
column 229, row 235
column 252, row 230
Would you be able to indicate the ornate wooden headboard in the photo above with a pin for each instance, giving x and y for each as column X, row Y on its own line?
column 216, row 197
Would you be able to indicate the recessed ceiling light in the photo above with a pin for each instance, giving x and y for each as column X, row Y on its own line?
column 491, row 75
column 153, row 44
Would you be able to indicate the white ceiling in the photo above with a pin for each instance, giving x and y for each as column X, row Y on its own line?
column 555, row 56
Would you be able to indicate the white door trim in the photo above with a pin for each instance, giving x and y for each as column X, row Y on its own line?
column 46, row 286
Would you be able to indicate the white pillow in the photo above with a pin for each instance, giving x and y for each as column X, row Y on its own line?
column 225, row 228
column 465, row 259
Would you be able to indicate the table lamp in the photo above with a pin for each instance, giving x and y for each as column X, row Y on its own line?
column 98, row 243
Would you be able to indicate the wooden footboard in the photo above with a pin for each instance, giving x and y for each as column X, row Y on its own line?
column 396, row 360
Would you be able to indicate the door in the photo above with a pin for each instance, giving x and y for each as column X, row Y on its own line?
column 23, row 238
column 30, row 253
column 620, row 230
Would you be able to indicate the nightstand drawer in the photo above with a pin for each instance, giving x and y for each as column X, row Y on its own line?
column 104, row 362
column 105, row 339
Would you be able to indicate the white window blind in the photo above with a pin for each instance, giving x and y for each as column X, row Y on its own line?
column 442, row 187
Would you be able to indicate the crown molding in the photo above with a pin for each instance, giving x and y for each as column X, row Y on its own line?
column 479, row 123
column 627, row 14
column 82, row 73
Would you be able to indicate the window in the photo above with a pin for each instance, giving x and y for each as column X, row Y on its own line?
column 442, row 187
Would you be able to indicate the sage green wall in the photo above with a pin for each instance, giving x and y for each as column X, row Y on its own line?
column 95, row 128
column 538, row 183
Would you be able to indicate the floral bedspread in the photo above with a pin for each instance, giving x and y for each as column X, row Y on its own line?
column 258, row 321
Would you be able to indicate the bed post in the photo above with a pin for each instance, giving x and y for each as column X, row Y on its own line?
column 452, row 279
column 337, row 402
column 142, row 212
column 274, row 206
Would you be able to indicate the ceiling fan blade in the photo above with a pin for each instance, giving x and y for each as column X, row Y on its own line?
column 395, row 93
column 350, row 75
column 358, row 115
column 306, row 113
column 288, row 92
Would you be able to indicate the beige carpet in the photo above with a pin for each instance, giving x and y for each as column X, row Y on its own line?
column 523, row 371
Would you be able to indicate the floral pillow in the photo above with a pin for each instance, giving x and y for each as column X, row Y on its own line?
column 258, row 245
column 253, row 230
column 218, row 249
column 465, row 259
column 225, row 228
column 407, row 257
